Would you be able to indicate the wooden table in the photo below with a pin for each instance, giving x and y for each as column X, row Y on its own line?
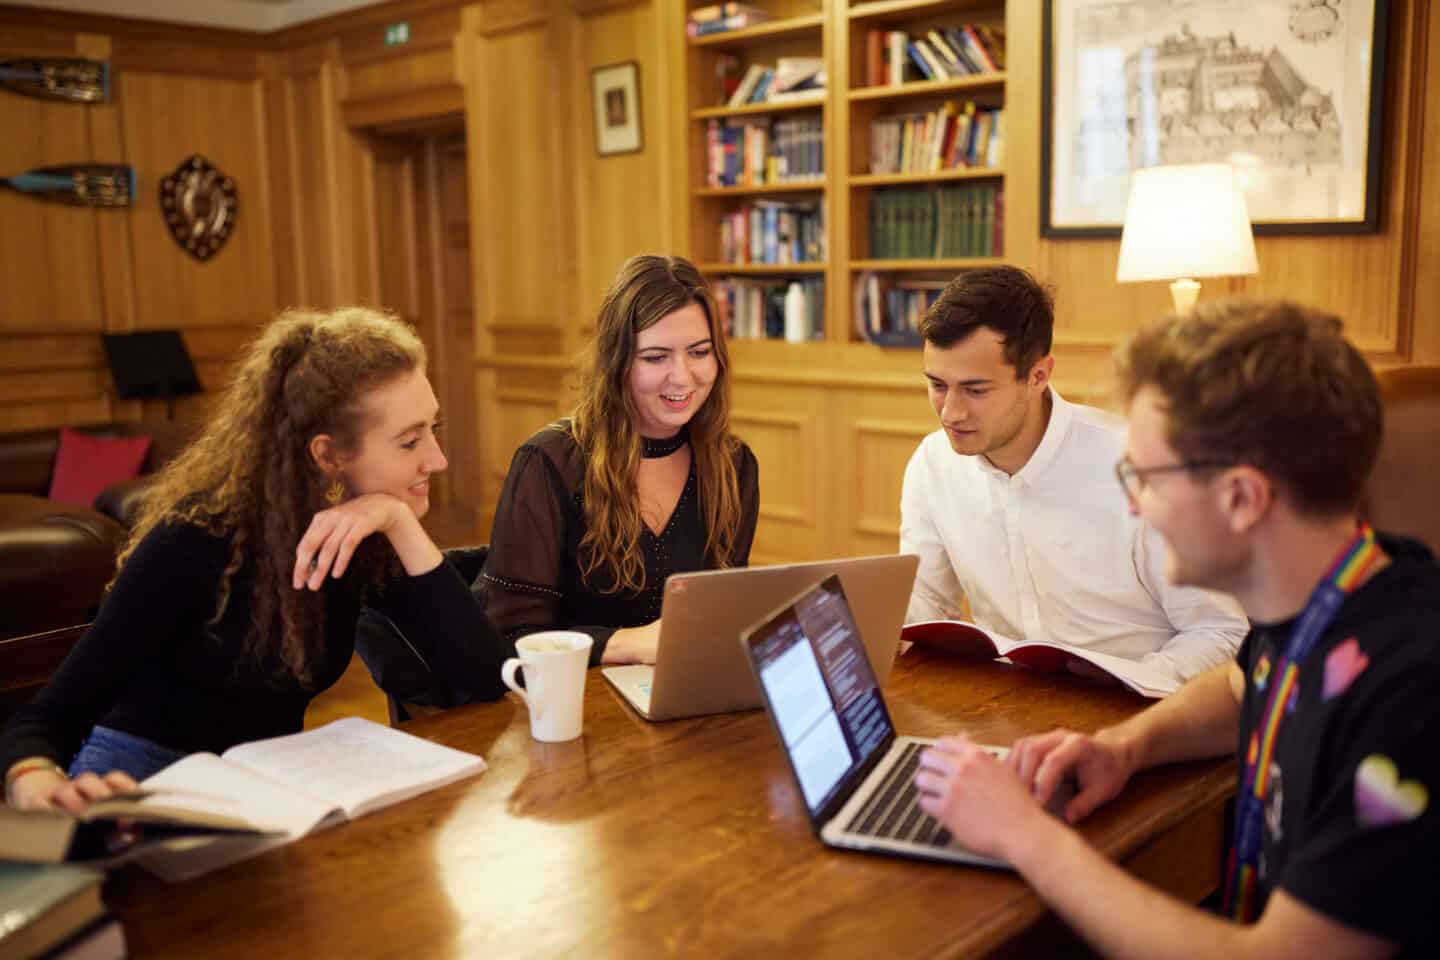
column 683, row 838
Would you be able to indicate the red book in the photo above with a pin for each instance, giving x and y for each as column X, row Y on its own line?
column 968, row 641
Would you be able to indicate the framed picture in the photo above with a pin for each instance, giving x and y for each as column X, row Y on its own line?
column 1289, row 91
column 616, row 92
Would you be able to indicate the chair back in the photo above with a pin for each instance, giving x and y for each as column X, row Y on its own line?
column 1400, row 495
column 27, row 663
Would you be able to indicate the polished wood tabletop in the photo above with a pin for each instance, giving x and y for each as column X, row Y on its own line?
column 684, row 838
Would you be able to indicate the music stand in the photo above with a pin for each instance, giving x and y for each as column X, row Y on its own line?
column 152, row 364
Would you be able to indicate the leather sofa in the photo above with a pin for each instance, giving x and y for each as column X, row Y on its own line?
column 55, row 558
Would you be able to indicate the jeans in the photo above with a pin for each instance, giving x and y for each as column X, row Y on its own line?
column 106, row 749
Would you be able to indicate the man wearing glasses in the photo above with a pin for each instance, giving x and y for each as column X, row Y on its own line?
column 1253, row 428
column 1012, row 504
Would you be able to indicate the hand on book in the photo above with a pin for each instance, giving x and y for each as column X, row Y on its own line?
column 1099, row 767
column 51, row 790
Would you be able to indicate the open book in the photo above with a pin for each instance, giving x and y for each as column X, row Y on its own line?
column 968, row 640
column 204, row 812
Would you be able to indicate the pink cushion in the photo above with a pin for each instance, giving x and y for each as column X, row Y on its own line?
column 86, row 465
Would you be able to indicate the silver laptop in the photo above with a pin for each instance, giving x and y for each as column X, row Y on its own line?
column 698, row 668
column 856, row 776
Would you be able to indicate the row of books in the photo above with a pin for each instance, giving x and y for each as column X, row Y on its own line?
column 791, row 78
column 939, row 222
column 894, row 57
column 723, row 17
column 760, row 151
column 889, row 312
column 771, row 309
column 948, row 138
column 772, row 232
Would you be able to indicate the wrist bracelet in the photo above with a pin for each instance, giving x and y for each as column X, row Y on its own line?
column 28, row 765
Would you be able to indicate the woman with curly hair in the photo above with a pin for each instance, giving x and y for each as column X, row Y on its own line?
column 236, row 597
column 642, row 481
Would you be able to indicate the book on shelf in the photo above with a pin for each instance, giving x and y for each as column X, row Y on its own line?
column 894, row 57
column 757, row 151
column 965, row 639
column 732, row 16
column 950, row 137
column 52, row 910
column 773, row 232
column 206, row 811
column 773, row 309
column 790, row 79
column 936, row 222
column 888, row 310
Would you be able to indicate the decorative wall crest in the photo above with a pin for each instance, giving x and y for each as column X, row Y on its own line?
column 199, row 205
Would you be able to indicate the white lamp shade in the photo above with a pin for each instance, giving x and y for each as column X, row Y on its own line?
column 1187, row 220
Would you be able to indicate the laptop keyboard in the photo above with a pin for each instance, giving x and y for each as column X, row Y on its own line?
column 893, row 811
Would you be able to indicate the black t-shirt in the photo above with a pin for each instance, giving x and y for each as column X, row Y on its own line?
column 532, row 579
column 152, row 665
column 1352, row 812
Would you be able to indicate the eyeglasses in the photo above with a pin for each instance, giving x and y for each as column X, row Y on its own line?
column 1133, row 479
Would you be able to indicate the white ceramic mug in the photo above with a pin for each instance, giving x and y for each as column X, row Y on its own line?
column 555, row 663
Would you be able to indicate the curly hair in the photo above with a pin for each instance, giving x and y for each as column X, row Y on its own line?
column 249, row 474
column 646, row 290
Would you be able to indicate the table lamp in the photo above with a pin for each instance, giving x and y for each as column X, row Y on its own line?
column 1183, row 222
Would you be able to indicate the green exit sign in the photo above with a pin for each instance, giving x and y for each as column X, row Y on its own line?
column 397, row 33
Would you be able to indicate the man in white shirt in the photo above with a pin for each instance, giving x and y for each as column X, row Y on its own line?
column 1013, row 504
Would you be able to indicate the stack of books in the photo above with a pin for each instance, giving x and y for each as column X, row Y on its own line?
column 753, row 309
column 771, row 232
column 54, row 910
column 760, row 151
column 722, row 17
column 950, row 137
column 937, row 223
column 790, row 79
column 894, row 57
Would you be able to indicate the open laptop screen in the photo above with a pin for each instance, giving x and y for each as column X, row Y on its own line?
column 821, row 690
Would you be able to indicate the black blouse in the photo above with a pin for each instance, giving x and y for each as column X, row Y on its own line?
column 152, row 666
column 532, row 575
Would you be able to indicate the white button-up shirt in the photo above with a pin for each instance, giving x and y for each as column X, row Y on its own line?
column 1053, row 553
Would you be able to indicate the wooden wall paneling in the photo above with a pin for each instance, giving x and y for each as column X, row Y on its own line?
column 783, row 427
column 114, row 249
column 874, row 433
column 624, row 200
column 283, row 168
column 1420, row 337
column 165, row 122
column 315, row 257
column 50, row 272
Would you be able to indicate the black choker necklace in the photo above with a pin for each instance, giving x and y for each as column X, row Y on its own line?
column 654, row 449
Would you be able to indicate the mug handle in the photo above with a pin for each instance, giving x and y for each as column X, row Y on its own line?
column 507, row 676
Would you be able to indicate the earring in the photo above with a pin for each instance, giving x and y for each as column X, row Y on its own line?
column 335, row 492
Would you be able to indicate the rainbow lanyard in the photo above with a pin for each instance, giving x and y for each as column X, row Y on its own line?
column 1348, row 572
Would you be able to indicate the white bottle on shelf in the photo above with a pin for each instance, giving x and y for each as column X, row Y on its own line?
column 795, row 313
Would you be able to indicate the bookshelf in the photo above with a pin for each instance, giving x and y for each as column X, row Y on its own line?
column 759, row 202
column 937, row 190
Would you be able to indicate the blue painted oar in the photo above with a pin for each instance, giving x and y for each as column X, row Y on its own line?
column 85, row 81
column 87, row 184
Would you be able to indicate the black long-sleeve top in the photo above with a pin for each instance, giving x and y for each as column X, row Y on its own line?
column 152, row 666
column 532, row 578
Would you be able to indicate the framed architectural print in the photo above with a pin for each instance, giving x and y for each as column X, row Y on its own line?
column 1289, row 91
column 616, row 92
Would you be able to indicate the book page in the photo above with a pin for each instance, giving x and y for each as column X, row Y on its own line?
column 357, row 765
column 207, row 784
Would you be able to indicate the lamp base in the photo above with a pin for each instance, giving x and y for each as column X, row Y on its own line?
column 1184, row 293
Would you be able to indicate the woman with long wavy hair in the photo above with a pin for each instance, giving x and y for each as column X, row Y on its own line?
column 237, row 595
column 643, row 480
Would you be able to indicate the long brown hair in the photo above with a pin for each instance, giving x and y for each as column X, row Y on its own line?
column 250, row 475
column 646, row 290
